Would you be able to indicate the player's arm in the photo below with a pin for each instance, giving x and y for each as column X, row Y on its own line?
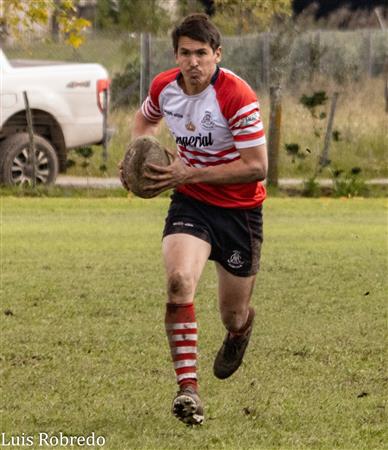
column 142, row 126
column 252, row 166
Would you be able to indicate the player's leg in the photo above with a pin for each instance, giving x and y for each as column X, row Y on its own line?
column 234, row 295
column 184, row 258
column 237, row 262
column 237, row 316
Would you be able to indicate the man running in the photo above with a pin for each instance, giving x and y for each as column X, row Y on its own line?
column 215, row 212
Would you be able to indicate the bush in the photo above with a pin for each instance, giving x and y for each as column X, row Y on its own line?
column 348, row 184
column 125, row 87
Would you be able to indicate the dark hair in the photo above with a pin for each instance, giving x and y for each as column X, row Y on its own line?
column 198, row 27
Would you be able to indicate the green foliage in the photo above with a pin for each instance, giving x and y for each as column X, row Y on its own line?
column 314, row 104
column 311, row 102
column 103, row 168
column 292, row 149
column 133, row 16
column 84, row 152
column 83, row 157
column 20, row 17
column 185, row 7
column 70, row 163
column 240, row 16
column 348, row 183
column 107, row 14
column 336, row 135
column 311, row 187
column 125, row 85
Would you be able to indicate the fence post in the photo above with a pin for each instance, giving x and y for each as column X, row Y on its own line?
column 368, row 53
column 324, row 159
column 386, row 87
column 380, row 18
column 317, row 45
column 105, row 126
column 31, row 153
column 383, row 27
column 145, row 64
column 315, row 55
column 265, row 58
column 275, row 122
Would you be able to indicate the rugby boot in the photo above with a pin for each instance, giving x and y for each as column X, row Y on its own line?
column 187, row 406
column 231, row 353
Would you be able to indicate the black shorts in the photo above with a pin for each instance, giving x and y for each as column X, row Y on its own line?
column 235, row 235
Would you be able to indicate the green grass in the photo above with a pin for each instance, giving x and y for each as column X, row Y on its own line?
column 82, row 337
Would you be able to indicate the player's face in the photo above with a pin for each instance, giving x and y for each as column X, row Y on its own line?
column 197, row 62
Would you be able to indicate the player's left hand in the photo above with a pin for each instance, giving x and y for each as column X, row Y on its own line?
column 167, row 177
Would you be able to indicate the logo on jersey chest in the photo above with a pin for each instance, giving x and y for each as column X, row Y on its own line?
column 176, row 115
column 190, row 126
column 207, row 121
column 195, row 141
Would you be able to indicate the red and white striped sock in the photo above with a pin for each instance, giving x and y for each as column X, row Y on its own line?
column 181, row 329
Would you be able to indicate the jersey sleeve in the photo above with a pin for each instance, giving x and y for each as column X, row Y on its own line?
column 150, row 107
column 246, row 126
column 241, row 109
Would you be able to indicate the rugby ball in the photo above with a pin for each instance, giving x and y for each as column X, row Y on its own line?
column 142, row 151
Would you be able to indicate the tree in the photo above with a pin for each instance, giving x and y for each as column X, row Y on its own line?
column 133, row 16
column 19, row 17
column 244, row 16
column 185, row 7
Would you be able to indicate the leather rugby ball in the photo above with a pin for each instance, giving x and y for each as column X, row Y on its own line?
column 142, row 151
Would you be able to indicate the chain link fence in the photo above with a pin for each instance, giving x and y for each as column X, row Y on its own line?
column 261, row 59
column 338, row 55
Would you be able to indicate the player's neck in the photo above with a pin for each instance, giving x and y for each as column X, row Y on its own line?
column 193, row 89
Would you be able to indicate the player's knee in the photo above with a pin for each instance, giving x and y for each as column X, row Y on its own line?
column 233, row 320
column 180, row 284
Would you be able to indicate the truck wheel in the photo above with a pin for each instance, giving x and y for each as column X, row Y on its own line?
column 15, row 167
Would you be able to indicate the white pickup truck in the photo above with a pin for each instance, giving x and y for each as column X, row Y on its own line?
column 66, row 102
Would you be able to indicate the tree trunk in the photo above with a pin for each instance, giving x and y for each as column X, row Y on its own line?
column 324, row 159
column 265, row 59
column 54, row 22
column 275, row 121
column 145, row 66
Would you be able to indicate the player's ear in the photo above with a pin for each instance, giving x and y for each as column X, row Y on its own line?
column 218, row 54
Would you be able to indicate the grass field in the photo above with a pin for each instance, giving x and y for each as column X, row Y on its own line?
column 82, row 337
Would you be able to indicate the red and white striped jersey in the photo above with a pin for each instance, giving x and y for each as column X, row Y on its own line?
column 209, row 129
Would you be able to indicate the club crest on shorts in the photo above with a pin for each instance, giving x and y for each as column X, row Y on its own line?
column 235, row 261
